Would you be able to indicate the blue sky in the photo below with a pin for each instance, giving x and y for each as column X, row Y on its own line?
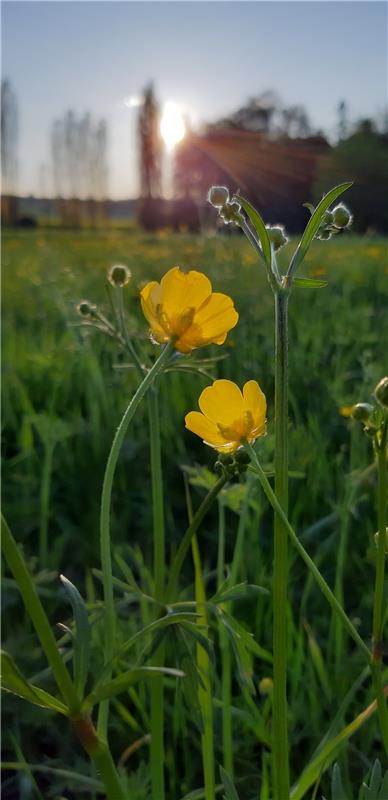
column 207, row 56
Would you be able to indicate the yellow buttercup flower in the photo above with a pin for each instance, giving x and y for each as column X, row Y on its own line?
column 229, row 416
column 184, row 306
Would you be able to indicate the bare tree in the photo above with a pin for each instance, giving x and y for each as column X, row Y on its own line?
column 79, row 153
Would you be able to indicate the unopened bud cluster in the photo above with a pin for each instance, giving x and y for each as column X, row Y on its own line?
column 373, row 416
column 229, row 209
column 334, row 221
column 231, row 465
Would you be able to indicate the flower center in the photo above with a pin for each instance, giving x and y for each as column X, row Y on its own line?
column 239, row 429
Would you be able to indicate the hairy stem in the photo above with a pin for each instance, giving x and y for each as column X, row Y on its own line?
column 280, row 569
column 324, row 587
column 205, row 698
column 105, row 537
column 101, row 757
column 379, row 604
column 226, row 676
column 157, row 686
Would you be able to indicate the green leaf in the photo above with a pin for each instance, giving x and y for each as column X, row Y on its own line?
column 240, row 590
column 204, row 641
column 229, row 787
column 337, row 789
column 259, row 226
column 81, row 780
column 13, row 681
column 327, row 754
column 81, row 641
column 310, row 207
column 124, row 681
column 247, row 638
column 308, row 283
column 313, row 225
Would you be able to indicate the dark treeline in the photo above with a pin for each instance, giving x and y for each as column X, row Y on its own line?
column 268, row 150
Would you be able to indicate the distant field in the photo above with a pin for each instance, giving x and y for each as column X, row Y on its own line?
column 60, row 377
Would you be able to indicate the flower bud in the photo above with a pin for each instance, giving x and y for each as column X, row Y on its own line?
column 86, row 309
column 266, row 686
column 324, row 234
column 381, row 392
column 277, row 236
column 242, row 457
column 119, row 275
column 327, row 218
column 218, row 196
column 225, row 459
column 231, row 212
column 362, row 412
column 342, row 217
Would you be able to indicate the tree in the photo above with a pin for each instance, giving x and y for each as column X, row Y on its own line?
column 150, row 145
column 9, row 142
column 79, row 154
column 363, row 158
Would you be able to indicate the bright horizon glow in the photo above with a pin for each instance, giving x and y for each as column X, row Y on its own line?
column 172, row 125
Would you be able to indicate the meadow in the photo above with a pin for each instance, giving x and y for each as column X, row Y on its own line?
column 65, row 387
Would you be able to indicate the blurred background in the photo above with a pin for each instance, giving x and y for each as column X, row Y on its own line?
column 119, row 111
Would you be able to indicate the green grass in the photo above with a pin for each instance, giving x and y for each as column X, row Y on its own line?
column 70, row 383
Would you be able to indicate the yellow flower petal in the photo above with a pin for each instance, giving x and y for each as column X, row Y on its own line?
column 203, row 427
column 255, row 402
column 216, row 315
column 183, row 290
column 222, row 402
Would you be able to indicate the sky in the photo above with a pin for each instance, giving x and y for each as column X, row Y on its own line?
column 209, row 57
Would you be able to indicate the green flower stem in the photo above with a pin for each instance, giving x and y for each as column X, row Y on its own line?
column 324, row 587
column 205, row 698
column 157, row 686
column 105, row 538
column 101, row 757
column 280, row 569
column 379, row 604
column 124, row 332
column 38, row 617
column 226, row 679
column 44, row 503
column 191, row 530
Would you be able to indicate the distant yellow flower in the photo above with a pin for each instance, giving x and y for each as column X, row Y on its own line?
column 229, row 416
column 184, row 306
column 346, row 411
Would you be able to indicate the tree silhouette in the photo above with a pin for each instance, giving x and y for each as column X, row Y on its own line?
column 150, row 146
column 9, row 141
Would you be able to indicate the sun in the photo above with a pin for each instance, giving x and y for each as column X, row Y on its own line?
column 172, row 125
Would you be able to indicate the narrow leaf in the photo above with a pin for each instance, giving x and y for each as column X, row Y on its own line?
column 259, row 226
column 328, row 753
column 81, row 644
column 13, row 681
column 124, row 681
column 313, row 225
column 308, row 283
column 229, row 787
